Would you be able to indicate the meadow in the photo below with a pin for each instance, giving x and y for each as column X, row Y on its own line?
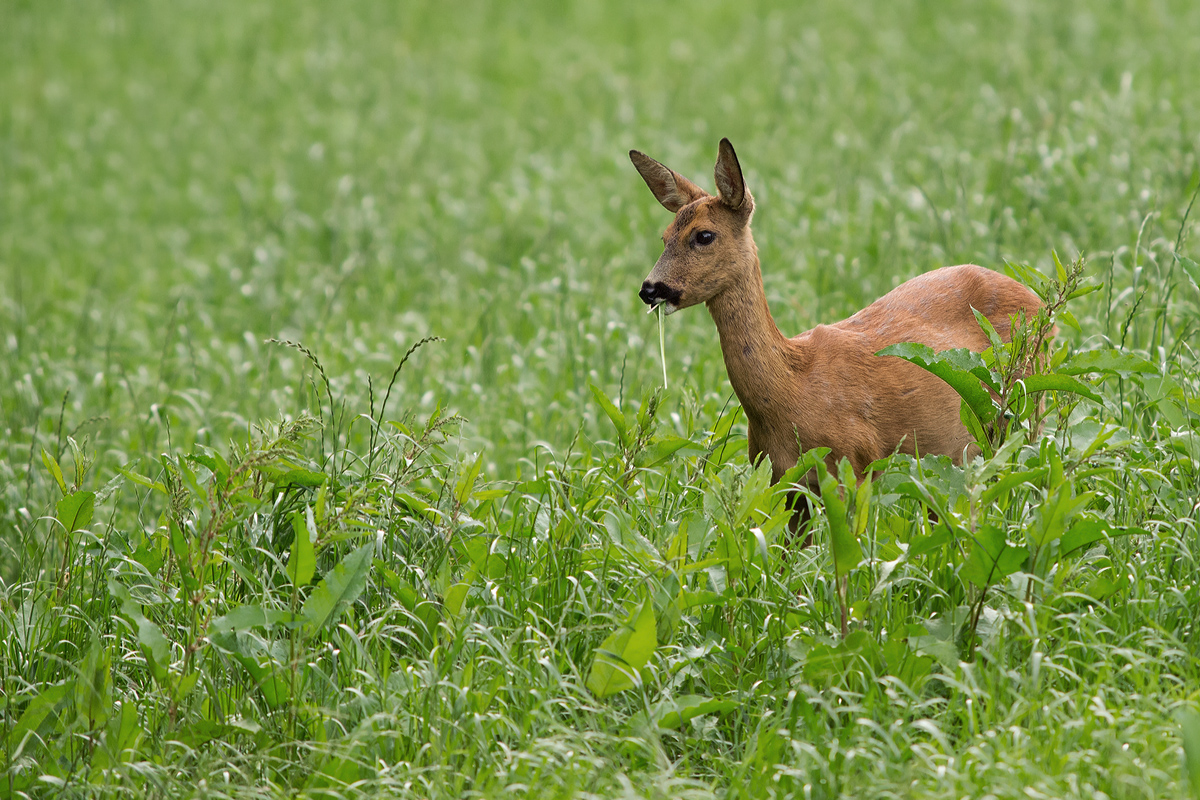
column 336, row 456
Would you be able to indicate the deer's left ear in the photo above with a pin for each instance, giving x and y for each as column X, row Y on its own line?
column 730, row 184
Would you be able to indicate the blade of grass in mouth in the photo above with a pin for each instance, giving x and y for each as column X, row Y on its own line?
column 662, row 341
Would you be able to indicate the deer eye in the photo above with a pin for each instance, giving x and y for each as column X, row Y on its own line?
column 705, row 238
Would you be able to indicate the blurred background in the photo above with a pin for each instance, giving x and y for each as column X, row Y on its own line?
column 180, row 182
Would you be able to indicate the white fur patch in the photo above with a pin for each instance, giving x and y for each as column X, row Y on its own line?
column 669, row 308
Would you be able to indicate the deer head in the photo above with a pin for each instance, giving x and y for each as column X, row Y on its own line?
column 708, row 247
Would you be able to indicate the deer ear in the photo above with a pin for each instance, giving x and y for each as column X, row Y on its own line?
column 672, row 190
column 729, row 177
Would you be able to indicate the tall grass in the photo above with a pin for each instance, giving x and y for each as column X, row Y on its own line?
column 251, row 544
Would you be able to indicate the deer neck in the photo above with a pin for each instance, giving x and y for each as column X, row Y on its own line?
column 756, row 353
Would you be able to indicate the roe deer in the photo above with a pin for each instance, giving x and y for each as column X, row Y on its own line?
column 825, row 387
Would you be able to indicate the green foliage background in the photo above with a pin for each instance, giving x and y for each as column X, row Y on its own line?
column 180, row 182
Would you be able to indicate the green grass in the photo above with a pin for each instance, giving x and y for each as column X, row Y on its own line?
column 181, row 183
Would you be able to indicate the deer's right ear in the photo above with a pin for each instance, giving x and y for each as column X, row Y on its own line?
column 671, row 189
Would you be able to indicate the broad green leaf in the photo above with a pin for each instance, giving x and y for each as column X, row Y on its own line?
column 1189, row 732
column 759, row 540
column 428, row 613
column 1000, row 461
column 244, row 618
column 151, row 641
column 624, row 652
column 1172, row 413
column 35, row 713
column 125, row 734
column 1101, row 586
column 661, row 448
column 667, row 614
column 962, row 369
column 796, row 475
column 299, row 477
column 846, row 552
column 757, row 494
column 623, row 527
column 417, row 505
column 918, row 491
column 1029, row 276
column 1059, row 270
column 154, row 646
column 1192, row 269
column 466, row 480
column 75, row 510
column 276, row 691
column 826, row 663
column 1054, row 481
column 335, row 772
column 142, row 480
column 903, row 661
column 534, row 488
column 988, row 329
column 689, row 599
column 55, row 470
column 673, row 713
column 971, row 422
column 1111, row 361
column 184, row 684
column 1087, row 531
column 614, row 414
column 992, row 558
column 340, row 587
column 1164, row 392
column 182, row 550
column 780, row 516
column 198, row 731
column 149, row 555
column 1089, row 436
column 862, row 506
column 940, row 635
column 1058, row 382
column 729, row 552
column 1058, row 509
column 1085, row 289
column 477, row 550
column 1159, row 387
column 1011, row 481
column 244, row 646
column 94, row 687
column 456, row 595
column 250, row 652
column 677, row 549
column 937, row 538
column 213, row 462
column 302, row 563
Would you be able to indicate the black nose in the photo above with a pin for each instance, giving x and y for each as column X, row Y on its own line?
column 649, row 293
column 656, row 292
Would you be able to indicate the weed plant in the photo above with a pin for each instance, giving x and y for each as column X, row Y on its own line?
column 261, row 536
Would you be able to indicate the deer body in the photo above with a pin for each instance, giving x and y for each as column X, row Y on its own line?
column 825, row 387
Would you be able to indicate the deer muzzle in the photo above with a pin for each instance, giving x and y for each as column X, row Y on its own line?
column 657, row 293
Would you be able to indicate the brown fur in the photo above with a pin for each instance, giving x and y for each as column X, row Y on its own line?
column 825, row 387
